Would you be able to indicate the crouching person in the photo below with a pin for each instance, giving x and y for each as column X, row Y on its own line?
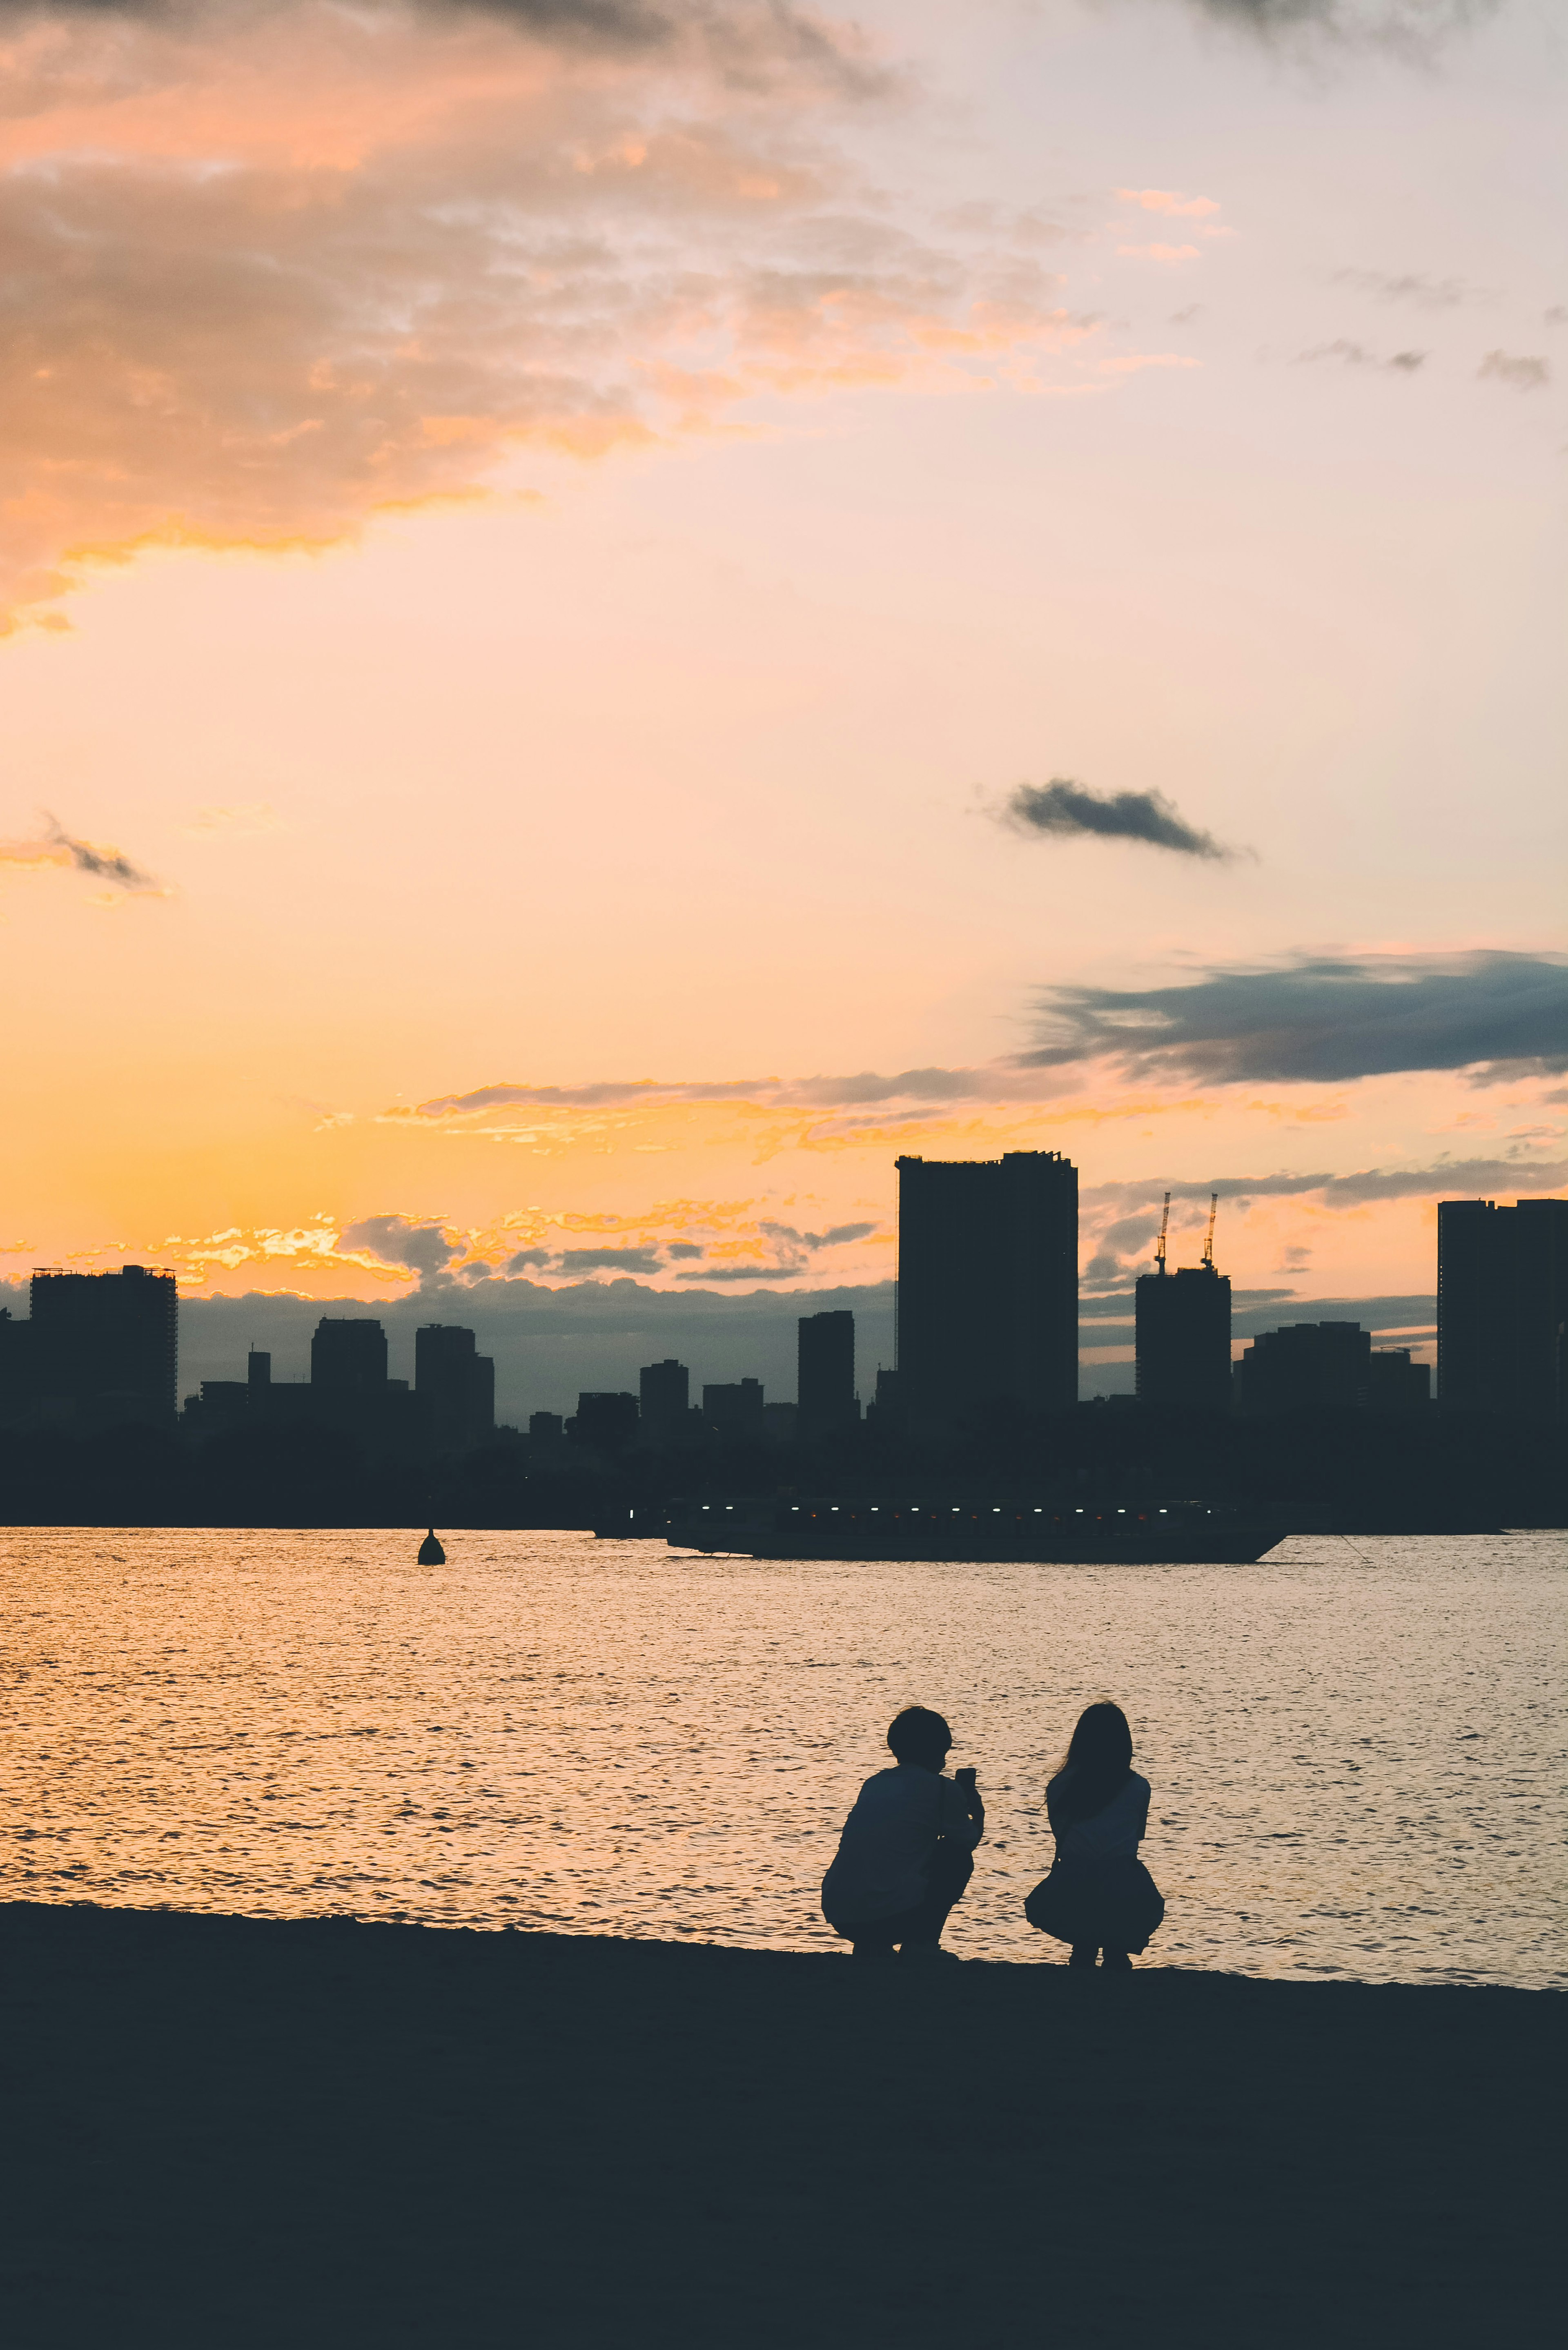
column 905, row 1853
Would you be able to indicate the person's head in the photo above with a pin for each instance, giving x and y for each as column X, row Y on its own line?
column 918, row 1735
column 1097, row 1762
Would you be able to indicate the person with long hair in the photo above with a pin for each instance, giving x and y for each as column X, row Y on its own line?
column 1100, row 1897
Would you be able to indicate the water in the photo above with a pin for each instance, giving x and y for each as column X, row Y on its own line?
column 1356, row 1751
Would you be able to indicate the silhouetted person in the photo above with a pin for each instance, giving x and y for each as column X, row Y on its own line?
column 1100, row 1897
column 905, row 1853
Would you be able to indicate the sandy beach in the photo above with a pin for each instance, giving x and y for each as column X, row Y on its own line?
column 234, row 2132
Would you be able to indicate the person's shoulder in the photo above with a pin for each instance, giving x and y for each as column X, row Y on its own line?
column 1141, row 1783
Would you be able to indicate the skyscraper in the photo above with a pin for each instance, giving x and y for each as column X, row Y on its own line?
column 1502, row 1302
column 826, row 1373
column 1305, row 1367
column 1182, row 1333
column 348, row 1358
column 988, row 1286
column 665, row 1400
column 105, row 1344
column 455, row 1386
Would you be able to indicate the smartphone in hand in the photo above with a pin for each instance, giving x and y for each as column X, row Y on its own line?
column 964, row 1778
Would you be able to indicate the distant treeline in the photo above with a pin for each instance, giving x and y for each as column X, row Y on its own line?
column 1334, row 1472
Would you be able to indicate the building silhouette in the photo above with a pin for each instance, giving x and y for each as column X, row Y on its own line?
column 347, row 1360
column 664, row 1399
column 605, row 1420
column 825, row 1374
column 734, row 1409
column 18, row 1386
column 455, row 1386
column 105, row 1346
column 1502, row 1302
column 1182, row 1336
column 1395, row 1382
column 988, row 1286
column 1307, row 1366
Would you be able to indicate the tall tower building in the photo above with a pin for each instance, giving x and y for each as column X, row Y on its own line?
column 1502, row 1304
column 826, row 1373
column 988, row 1286
column 664, row 1399
column 105, row 1344
column 455, row 1386
column 348, row 1358
column 1182, row 1330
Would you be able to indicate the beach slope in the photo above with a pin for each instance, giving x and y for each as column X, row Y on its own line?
column 232, row 2132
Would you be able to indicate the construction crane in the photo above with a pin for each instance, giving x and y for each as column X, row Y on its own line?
column 1208, row 1236
column 1159, row 1244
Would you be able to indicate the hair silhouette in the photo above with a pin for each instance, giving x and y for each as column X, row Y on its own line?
column 1096, row 1765
column 918, row 1735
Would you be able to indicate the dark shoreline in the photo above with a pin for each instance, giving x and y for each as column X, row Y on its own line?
column 228, row 2132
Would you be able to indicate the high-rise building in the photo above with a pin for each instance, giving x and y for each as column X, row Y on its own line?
column 988, row 1286
column 734, row 1409
column 1182, row 1334
column 826, row 1373
column 605, row 1419
column 1397, row 1383
column 105, row 1344
column 1306, row 1367
column 1502, row 1302
column 18, row 1383
column 455, row 1386
column 664, row 1396
column 349, row 1359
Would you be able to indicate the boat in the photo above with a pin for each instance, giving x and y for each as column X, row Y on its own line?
column 1170, row 1533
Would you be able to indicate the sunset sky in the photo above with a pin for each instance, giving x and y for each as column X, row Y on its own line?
column 553, row 555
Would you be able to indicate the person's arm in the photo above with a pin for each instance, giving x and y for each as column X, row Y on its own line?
column 973, row 1828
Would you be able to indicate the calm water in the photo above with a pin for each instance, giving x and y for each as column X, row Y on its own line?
column 1357, row 1752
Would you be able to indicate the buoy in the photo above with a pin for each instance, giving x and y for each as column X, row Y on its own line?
column 430, row 1551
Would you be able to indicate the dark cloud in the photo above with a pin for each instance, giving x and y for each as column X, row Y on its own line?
column 740, row 1272
column 1067, row 810
column 610, row 1260
column 1325, row 1020
column 104, row 864
column 835, row 1236
column 1408, row 285
column 1520, row 372
column 1356, row 355
column 1415, row 26
column 423, row 1248
column 1448, row 1178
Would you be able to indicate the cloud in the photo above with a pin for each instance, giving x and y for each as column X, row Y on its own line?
column 1069, row 810
column 609, row 1259
column 1356, row 355
column 1413, row 26
column 272, row 271
column 58, row 847
column 740, row 1272
column 1521, row 373
column 423, row 1248
column 1321, row 1020
column 1452, row 1178
column 240, row 820
column 1166, row 201
column 1408, row 285
column 867, row 1088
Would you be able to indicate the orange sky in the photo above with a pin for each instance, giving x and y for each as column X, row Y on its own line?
column 545, row 559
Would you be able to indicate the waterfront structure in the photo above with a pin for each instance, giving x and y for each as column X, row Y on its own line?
column 1182, row 1339
column 1306, row 1367
column 455, row 1386
column 825, row 1383
column 1502, row 1305
column 734, row 1408
column 664, row 1399
column 105, row 1346
column 988, row 1286
column 604, row 1418
column 348, row 1358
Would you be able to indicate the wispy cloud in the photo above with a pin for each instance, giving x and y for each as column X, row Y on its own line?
column 1409, row 285
column 1356, row 355
column 56, row 845
column 1320, row 1020
column 1519, row 372
column 1064, row 810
